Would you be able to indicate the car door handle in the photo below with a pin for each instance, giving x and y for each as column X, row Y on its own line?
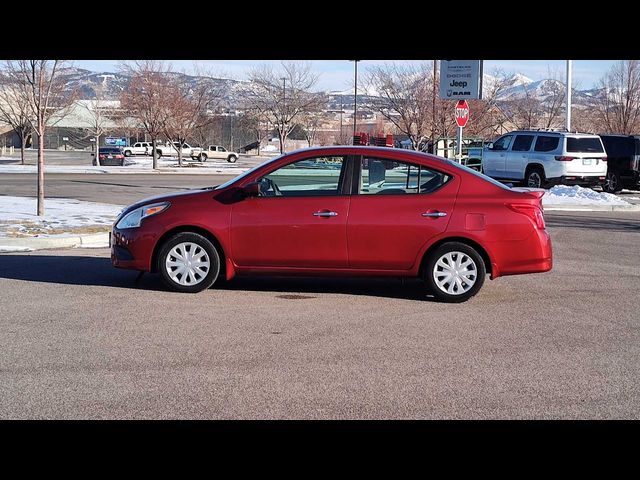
column 434, row 214
column 325, row 213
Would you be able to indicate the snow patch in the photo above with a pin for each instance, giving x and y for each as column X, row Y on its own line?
column 6, row 249
column 576, row 195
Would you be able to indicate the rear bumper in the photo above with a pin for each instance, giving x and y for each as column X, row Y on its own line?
column 532, row 255
column 581, row 180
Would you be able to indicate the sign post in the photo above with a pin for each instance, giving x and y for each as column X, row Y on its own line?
column 462, row 117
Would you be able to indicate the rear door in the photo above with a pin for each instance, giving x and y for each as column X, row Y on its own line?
column 398, row 207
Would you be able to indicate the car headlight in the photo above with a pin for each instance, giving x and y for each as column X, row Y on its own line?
column 135, row 217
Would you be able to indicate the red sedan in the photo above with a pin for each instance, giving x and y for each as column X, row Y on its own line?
column 340, row 211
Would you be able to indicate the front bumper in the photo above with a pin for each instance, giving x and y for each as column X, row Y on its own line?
column 131, row 248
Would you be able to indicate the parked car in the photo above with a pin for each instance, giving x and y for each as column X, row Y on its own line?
column 383, row 212
column 138, row 148
column 172, row 148
column 545, row 158
column 215, row 152
column 623, row 162
column 109, row 156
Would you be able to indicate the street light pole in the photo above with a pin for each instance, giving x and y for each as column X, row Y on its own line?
column 355, row 98
column 568, row 90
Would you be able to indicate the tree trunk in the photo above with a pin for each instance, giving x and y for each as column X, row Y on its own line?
column 154, row 153
column 41, row 172
column 282, row 139
column 98, row 150
column 180, row 143
column 22, row 141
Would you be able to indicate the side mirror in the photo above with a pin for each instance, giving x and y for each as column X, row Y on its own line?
column 489, row 146
column 251, row 190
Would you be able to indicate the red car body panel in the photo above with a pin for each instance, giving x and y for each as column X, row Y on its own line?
column 381, row 235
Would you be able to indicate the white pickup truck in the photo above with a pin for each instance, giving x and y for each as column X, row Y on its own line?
column 138, row 148
column 171, row 149
column 215, row 152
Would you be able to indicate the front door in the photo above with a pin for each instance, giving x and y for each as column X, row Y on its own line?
column 495, row 158
column 518, row 157
column 299, row 220
column 398, row 209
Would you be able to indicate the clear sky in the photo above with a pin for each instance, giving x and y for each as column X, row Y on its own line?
column 338, row 74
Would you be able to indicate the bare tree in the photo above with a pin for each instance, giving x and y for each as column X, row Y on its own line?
column 282, row 96
column 618, row 104
column 189, row 107
column 44, row 92
column 147, row 97
column 254, row 121
column 310, row 123
column 486, row 116
column 100, row 117
column 405, row 97
column 14, row 110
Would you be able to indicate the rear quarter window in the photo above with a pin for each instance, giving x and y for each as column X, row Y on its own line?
column 584, row 145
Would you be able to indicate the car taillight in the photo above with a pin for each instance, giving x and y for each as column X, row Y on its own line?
column 604, row 159
column 562, row 158
column 119, row 156
column 531, row 211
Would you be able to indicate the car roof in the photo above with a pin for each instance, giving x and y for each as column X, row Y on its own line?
column 551, row 132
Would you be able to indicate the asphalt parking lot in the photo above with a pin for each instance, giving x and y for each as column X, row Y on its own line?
column 80, row 339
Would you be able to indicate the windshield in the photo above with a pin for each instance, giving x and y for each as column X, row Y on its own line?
column 245, row 174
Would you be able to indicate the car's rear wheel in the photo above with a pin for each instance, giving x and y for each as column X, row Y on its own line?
column 613, row 183
column 535, row 178
column 203, row 157
column 188, row 262
column 127, row 153
column 454, row 272
column 232, row 159
column 158, row 154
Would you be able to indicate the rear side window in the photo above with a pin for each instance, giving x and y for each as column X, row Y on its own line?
column 381, row 176
column 522, row 143
column 620, row 146
column 546, row 143
column 584, row 144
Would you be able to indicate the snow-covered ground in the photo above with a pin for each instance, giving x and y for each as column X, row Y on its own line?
column 62, row 215
column 576, row 195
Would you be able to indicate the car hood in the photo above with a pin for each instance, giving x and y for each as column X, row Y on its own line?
column 165, row 198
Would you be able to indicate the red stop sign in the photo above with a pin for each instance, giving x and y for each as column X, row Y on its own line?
column 462, row 113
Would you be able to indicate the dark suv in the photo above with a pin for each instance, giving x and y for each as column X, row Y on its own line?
column 623, row 162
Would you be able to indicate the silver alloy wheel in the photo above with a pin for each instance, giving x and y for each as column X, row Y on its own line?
column 187, row 263
column 455, row 273
column 534, row 180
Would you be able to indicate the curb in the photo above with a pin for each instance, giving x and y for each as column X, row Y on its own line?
column 90, row 240
column 592, row 208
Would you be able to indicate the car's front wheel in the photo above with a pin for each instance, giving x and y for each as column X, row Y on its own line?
column 127, row 153
column 203, row 157
column 188, row 262
column 454, row 272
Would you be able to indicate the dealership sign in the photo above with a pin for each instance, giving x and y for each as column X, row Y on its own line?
column 116, row 141
column 460, row 79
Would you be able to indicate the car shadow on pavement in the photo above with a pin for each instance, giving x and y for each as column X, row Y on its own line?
column 98, row 271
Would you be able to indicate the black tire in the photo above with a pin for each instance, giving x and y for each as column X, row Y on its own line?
column 613, row 183
column 534, row 178
column 203, row 157
column 158, row 153
column 202, row 242
column 429, row 274
column 127, row 153
column 232, row 159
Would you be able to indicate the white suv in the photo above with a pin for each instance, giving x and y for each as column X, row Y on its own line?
column 545, row 158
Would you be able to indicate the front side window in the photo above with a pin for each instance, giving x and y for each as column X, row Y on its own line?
column 308, row 177
column 502, row 143
column 383, row 176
